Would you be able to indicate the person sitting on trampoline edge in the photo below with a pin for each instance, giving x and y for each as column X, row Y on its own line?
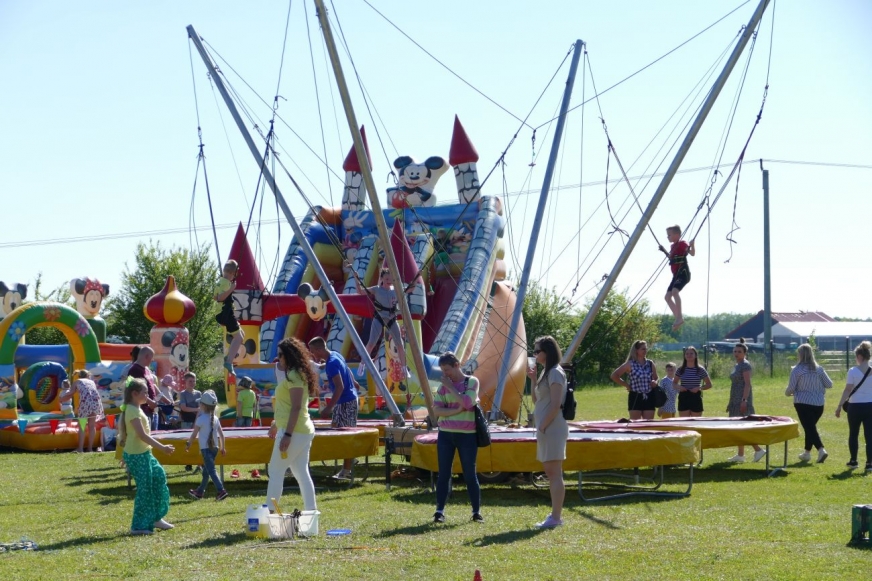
column 677, row 255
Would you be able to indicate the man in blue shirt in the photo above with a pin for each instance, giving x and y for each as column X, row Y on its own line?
column 343, row 406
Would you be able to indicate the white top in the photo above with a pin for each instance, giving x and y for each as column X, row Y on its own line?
column 203, row 435
column 864, row 394
column 166, row 391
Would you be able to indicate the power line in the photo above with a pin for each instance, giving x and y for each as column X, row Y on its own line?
column 185, row 230
column 118, row 236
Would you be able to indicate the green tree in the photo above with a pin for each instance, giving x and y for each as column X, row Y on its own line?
column 606, row 344
column 49, row 335
column 617, row 325
column 547, row 313
column 195, row 275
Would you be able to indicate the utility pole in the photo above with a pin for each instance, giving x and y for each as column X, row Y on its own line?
column 767, row 280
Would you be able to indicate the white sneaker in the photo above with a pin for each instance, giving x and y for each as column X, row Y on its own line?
column 758, row 455
column 737, row 459
column 822, row 455
column 163, row 525
column 549, row 523
column 805, row 456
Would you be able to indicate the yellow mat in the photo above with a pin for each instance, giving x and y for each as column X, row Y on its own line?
column 716, row 432
column 515, row 450
column 253, row 446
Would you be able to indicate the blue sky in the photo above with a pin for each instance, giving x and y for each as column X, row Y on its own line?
column 99, row 131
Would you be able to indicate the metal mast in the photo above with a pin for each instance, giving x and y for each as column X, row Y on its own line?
column 667, row 179
column 304, row 243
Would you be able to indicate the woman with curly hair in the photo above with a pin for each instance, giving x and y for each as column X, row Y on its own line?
column 292, row 429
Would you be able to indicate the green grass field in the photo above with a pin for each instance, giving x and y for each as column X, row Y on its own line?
column 737, row 524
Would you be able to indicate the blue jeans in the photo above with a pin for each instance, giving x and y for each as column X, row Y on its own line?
column 467, row 447
column 243, row 422
column 209, row 455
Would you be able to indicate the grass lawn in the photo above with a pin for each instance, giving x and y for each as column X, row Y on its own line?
column 737, row 524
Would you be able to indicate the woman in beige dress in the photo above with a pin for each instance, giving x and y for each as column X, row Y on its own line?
column 551, row 429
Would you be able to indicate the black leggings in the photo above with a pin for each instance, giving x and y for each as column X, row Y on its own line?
column 860, row 414
column 808, row 417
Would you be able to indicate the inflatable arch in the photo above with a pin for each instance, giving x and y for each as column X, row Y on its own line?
column 83, row 342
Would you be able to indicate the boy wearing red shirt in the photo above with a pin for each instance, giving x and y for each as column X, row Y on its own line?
column 680, row 271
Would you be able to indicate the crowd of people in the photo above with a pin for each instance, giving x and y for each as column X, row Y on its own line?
column 454, row 405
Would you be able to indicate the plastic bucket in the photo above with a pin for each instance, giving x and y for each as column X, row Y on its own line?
column 308, row 523
column 281, row 526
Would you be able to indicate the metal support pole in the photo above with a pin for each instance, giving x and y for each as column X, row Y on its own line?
column 767, row 280
column 771, row 358
column 667, row 179
column 847, row 354
column 384, row 233
column 298, row 233
column 534, row 235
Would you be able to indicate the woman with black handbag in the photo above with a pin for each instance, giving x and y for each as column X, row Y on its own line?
column 454, row 406
column 858, row 398
column 552, row 431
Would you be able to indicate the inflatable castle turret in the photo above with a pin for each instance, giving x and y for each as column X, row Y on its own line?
column 463, row 157
column 170, row 310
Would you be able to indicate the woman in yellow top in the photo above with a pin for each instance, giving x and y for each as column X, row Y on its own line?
column 152, row 501
column 292, row 429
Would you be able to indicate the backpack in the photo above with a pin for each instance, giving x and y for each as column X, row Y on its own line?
column 568, row 406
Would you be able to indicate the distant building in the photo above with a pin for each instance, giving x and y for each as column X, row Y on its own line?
column 829, row 335
column 753, row 327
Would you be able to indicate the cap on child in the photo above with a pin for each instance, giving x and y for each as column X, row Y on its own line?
column 209, row 398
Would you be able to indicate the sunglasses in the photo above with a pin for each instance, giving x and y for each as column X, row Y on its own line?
column 537, row 351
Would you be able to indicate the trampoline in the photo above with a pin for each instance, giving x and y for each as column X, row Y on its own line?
column 254, row 446
column 718, row 432
column 587, row 450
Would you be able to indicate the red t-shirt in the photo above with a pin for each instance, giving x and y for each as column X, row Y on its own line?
column 139, row 372
column 678, row 250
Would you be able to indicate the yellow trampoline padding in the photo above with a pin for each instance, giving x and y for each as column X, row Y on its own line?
column 253, row 446
column 515, row 450
column 716, row 432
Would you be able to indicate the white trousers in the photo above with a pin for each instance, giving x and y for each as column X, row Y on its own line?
column 298, row 462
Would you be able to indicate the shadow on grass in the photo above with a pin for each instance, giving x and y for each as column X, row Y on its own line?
column 847, row 473
column 593, row 518
column 506, row 538
column 221, row 541
column 78, row 542
column 91, row 480
column 415, row 530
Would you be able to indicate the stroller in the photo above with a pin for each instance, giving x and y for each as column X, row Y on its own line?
column 168, row 417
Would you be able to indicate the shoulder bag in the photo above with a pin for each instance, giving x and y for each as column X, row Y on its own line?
column 656, row 392
column 856, row 387
column 482, row 434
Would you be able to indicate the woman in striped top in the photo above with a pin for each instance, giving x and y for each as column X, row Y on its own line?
column 642, row 377
column 453, row 406
column 808, row 384
column 692, row 380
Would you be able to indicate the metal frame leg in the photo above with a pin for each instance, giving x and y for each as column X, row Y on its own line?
column 634, row 489
column 776, row 469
